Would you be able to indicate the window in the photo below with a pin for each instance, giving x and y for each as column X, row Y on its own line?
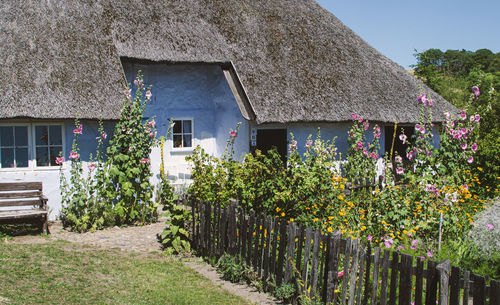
column 30, row 145
column 183, row 133
column 14, row 146
column 48, row 144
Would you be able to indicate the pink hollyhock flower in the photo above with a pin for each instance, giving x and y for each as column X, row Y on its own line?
column 388, row 243
column 422, row 99
column 309, row 143
column 403, row 138
column 476, row 90
column 470, row 159
column 127, row 92
column 91, row 166
column 354, row 116
column 340, row 274
column 360, row 119
column 59, row 160
column 365, row 152
column 360, row 144
column 477, row 118
column 78, row 130
column 104, row 135
column 398, row 159
column 463, row 115
column 490, row 226
column 148, row 95
column 473, row 147
column 417, row 126
column 429, row 253
column 123, row 128
column 400, row 171
column 464, row 146
column 233, row 134
column 145, row 160
column 73, row 155
column 369, row 237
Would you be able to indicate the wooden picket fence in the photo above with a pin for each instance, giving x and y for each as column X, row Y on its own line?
column 285, row 252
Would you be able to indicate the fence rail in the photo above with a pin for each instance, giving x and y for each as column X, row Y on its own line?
column 335, row 269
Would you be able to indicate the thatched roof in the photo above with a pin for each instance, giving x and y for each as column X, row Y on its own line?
column 295, row 60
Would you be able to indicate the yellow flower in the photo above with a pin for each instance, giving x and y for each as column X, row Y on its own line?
column 330, row 229
column 282, row 214
column 278, row 209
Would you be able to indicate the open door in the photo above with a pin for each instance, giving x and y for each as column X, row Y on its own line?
column 269, row 138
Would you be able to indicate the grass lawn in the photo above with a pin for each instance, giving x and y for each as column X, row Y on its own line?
column 65, row 273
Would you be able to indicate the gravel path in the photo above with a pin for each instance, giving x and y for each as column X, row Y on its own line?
column 143, row 240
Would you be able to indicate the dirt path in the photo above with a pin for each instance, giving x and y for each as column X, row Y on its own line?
column 143, row 239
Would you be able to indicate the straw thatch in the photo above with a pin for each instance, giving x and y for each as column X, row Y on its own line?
column 296, row 61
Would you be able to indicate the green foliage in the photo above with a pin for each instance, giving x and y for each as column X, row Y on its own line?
column 130, row 192
column 285, row 292
column 452, row 74
column 233, row 271
column 117, row 191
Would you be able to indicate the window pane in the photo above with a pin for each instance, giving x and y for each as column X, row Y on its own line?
column 21, row 135
column 6, row 136
column 177, row 126
column 54, row 153
column 21, row 157
column 41, row 135
column 55, row 135
column 187, row 140
column 186, row 126
column 7, row 157
column 177, row 141
column 42, row 156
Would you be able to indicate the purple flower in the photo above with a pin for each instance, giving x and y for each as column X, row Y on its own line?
column 369, row 237
column 429, row 253
column 145, row 160
column 490, row 226
column 398, row 159
column 234, row 134
column 91, row 166
column 400, row 171
column 463, row 115
column 387, row 244
column 473, row 147
column 464, row 146
column 360, row 144
column 354, row 116
column 470, row 159
column 477, row 118
column 148, row 95
column 476, row 90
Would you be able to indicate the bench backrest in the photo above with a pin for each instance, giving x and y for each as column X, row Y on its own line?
column 20, row 193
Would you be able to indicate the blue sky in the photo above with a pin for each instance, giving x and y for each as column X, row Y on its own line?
column 396, row 28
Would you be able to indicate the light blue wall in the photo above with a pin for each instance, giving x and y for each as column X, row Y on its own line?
column 49, row 176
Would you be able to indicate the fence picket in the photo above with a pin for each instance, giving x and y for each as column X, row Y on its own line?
column 494, row 292
column 300, row 245
column 419, row 279
column 394, row 278
column 274, row 249
column 444, row 278
column 307, row 255
column 256, row 236
column 376, row 270
column 290, row 251
column 384, row 278
column 267, row 251
column 466, row 287
column 431, row 283
column 251, row 224
column 345, row 277
column 362, row 258
column 331, row 267
column 478, row 290
column 315, row 260
column 354, row 272
column 367, row 273
column 405, row 279
column 281, row 253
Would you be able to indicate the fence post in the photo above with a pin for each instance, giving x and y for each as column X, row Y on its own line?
column 405, row 279
column 231, row 224
column 444, row 279
column 331, row 265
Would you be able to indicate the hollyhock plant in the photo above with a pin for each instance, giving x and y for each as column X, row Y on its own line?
column 74, row 155
column 78, row 130
column 59, row 160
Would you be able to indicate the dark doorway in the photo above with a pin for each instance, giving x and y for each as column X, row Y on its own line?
column 399, row 147
column 269, row 138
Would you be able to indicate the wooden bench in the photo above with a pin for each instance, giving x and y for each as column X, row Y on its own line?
column 23, row 202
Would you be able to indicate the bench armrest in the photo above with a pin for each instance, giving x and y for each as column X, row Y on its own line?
column 43, row 200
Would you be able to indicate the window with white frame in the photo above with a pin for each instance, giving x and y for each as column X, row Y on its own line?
column 182, row 133
column 30, row 145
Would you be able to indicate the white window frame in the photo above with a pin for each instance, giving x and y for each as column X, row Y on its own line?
column 193, row 144
column 32, row 145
